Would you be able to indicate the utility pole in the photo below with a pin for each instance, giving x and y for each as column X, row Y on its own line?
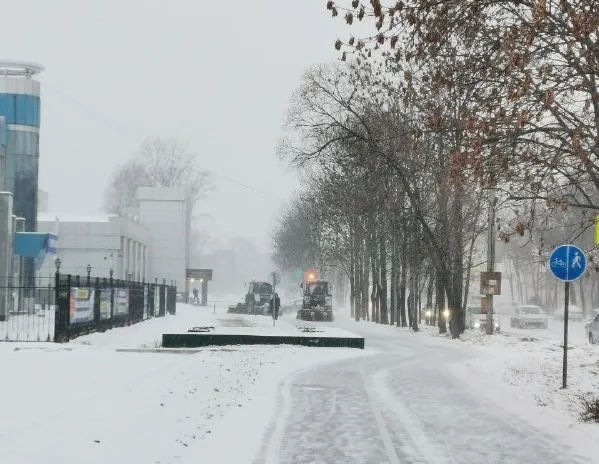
column 491, row 257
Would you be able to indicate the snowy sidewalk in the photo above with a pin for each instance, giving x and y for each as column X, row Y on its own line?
column 520, row 371
column 84, row 401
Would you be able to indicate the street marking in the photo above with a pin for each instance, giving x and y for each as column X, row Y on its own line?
column 380, row 422
column 428, row 449
column 273, row 450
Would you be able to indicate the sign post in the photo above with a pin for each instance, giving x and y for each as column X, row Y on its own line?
column 203, row 276
column 567, row 263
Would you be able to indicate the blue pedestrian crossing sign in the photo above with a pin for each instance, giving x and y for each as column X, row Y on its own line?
column 567, row 263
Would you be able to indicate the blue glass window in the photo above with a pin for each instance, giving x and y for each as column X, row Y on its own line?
column 20, row 109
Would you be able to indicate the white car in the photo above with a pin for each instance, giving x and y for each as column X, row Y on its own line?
column 476, row 319
column 529, row 316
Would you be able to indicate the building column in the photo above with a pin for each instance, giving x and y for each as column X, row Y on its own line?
column 133, row 260
column 147, row 263
column 129, row 257
column 6, row 231
column 143, row 262
column 140, row 257
column 125, row 258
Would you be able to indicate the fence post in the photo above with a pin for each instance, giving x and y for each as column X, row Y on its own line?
column 57, row 311
column 162, row 301
column 67, row 311
column 97, row 301
column 174, row 301
column 111, row 295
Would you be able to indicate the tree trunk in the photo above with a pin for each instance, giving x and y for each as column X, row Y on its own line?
column 415, row 303
column 440, row 303
column 365, row 282
column 383, row 292
column 402, row 289
column 393, row 283
column 374, row 270
column 358, row 271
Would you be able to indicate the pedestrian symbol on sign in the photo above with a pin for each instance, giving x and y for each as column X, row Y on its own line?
column 576, row 260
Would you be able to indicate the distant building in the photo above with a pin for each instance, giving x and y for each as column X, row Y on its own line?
column 42, row 201
column 164, row 212
column 104, row 241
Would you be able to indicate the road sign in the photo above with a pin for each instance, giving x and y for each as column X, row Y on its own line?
column 198, row 274
column 490, row 283
column 567, row 263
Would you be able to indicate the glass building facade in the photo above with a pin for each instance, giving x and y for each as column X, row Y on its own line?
column 21, row 114
column 3, row 137
column 20, row 109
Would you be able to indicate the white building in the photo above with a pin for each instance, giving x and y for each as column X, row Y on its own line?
column 42, row 201
column 163, row 212
column 104, row 241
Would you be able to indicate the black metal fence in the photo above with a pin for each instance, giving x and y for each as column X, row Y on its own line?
column 64, row 307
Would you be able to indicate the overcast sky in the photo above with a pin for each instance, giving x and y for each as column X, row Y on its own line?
column 215, row 74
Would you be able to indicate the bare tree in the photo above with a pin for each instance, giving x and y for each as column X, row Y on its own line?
column 158, row 163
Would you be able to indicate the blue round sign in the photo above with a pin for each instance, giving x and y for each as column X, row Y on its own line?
column 567, row 263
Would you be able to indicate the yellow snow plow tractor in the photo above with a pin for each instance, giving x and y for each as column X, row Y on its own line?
column 317, row 301
column 256, row 300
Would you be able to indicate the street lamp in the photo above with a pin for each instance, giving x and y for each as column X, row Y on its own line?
column 89, row 270
column 57, row 264
column 110, row 272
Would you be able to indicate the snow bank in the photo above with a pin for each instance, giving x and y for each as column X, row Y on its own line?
column 523, row 374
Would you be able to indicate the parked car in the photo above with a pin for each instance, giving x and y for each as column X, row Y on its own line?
column 574, row 313
column 592, row 329
column 529, row 316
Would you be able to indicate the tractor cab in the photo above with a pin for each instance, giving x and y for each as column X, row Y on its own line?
column 317, row 299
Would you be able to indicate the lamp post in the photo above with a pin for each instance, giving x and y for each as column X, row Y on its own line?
column 57, row 264
column 89, row 271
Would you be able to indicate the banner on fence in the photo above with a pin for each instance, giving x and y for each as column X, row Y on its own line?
column 121, row 302
column 105, row 306
column 81, row 305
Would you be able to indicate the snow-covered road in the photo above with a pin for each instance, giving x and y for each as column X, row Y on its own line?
column 404, row 405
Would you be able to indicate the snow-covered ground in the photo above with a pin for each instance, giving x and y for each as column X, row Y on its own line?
column 520, row 371
column 87, row 402
column 528, row 363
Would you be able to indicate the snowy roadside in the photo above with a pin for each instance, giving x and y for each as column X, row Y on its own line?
column 84, row 400
column 521, row 372
column 523, row 375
